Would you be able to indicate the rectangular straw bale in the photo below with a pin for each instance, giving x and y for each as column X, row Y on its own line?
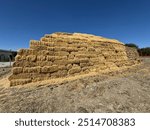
column 44, row 63
column 24, row 63
column 50, row 58
column 61, row 62
column 71, row 56
column 62, row 67
column 71, row 49
column 19, row 82
column 86, row 69
column 60, row 44
column 18, row 58
column 50, row 48
column 32, row 70
column 84, row 65
column 74, row 61
column 48, row 44
column 21, row 52
column 35, row 43
column 60, row 57
column 91, row 49
column 27, row 52
column 41, row 58
column 94, row 60
column 17, row 70
column 74, row 70
column 81, row 56
column 69, row 66
column 60, row 73
column 19, row 76
column 79, row 45
column 84, row 60
column 31, row 58
column 49, row 69
column 82, row 49
column 44, row 39
column 39, row 47
column 61, row 53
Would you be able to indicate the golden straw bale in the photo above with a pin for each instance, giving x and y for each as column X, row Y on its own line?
column 20, row 76
column 60, row 57
column 61, row 62
column 18, row 58
column 81, row 56
column 43, row 63
column 84, row 65
column 50, row 58
column 31, row 58
column 60, row 73
column 61, row 53
column 71, row 56
column 32, row 69
column 90, row 49
column 62, row 67
column 74, row 61
column 74, row 70
column 19, row 82
column 49, row 69
column 69, row 66
column 41, row 58
column 17, row 70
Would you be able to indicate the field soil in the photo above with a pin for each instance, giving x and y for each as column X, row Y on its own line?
column 121, row 91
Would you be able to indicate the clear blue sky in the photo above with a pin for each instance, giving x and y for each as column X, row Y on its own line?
column 23, row 20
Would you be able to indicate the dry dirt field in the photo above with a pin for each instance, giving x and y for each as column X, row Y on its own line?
column 123, row 91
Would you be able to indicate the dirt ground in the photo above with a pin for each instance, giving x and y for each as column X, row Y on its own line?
column 123, row 91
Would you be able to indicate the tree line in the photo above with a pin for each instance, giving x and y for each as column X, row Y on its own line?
column 142, row 51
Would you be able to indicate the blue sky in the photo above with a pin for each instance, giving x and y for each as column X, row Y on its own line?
column 23, row 20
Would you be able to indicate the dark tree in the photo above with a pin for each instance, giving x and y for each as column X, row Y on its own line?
column 132, row 45
column 144, row 51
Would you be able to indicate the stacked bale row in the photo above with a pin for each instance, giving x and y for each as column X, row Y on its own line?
column 63, row 54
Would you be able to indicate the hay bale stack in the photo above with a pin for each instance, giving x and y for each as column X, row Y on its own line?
column 66, row 54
